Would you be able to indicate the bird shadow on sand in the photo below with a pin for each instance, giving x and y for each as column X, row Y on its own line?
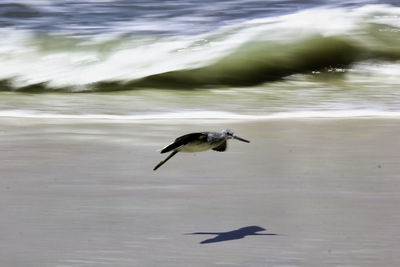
column 233, row 235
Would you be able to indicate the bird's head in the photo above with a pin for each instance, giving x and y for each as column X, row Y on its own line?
column 228, row 133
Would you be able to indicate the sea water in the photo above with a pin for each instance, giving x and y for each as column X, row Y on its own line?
column 239, row 59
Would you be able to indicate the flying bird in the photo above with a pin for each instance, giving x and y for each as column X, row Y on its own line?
column 196, row 142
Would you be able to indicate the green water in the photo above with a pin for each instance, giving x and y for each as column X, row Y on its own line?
column 363, row 88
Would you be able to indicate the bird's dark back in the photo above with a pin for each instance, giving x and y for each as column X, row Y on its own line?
column 184, row 139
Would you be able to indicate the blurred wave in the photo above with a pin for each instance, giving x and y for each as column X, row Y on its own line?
column 247, row 53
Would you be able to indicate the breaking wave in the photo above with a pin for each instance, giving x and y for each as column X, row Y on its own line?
column 246, row 54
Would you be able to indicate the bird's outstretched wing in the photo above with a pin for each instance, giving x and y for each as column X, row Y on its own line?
column 183, row 140
column 165, row 160
column 221, row 147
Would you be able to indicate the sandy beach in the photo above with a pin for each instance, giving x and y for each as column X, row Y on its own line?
column 91, row 91
column 311, row 192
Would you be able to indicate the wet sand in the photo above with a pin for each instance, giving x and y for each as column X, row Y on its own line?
column 83, row 193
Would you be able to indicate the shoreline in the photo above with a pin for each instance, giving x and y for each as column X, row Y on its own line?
column 203, row 116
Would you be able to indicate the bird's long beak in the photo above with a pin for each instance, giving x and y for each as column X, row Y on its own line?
column 241, row 139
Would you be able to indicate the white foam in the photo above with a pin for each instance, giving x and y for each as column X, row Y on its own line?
column 95, row 59
column 204, row 115
column 336, row 114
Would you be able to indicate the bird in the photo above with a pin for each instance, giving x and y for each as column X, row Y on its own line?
column 197, row 142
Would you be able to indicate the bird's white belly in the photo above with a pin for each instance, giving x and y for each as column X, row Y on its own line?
column 196, row 147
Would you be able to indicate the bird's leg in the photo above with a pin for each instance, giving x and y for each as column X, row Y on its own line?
column 165, row 160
